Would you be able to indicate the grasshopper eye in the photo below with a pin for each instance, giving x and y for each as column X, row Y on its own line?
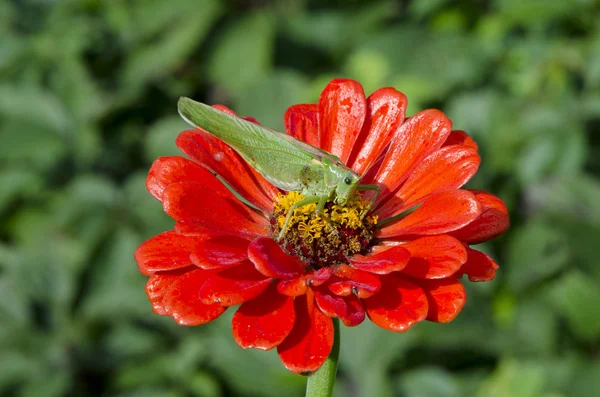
column 347, row 180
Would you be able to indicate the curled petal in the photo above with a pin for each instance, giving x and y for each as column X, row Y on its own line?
column 434, row 256
column 386, row 109
column 354, row 281
column 166, row 251
column 318, row 277
column 342, row 108
column 294, row 287
column 419, row 136
column 234, row 285
column 310, row 342
column 218, row 157
column 301, row 122
column 383, row 262
column 157, row 286
column 220, row 251
column 264, row 322
column 446, row 169
column 399, row 305
column 446, row 298
column 441, row 213
column 349, row 309
column 218, row 213
column 181, row 300
column 272, row 261
column 479, row 266
column 168, row 170
column 492, row 221
column 459, row 137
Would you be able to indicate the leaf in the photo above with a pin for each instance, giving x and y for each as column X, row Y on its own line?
column 34, row 105
column 428, row 382
column 513, row 378
column 577, row 297
column 269, row 96
column 335, row 31
column 159, row 58
column 535, row 252
column 160, row 138
column 242, row 54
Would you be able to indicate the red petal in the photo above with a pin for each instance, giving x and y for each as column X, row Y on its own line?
column 301, row 122
column 311, row 339
column 419, row 136
column 386, row 109
column 446, row 298
column 222, row 159
column 219, row 214
column 492, row 221
column 299, row 285
column 234, row 285
column 434, row 257
column 354, row 281
column 219, row 252
column 399, row 305
column 166, row 251
column 272, row 261
column 318, row 277
column 383, row 262
column 349, row 309
column 479, row 266
column 342, row 109
column 459, row 137
column 442, row 213
column 157, row 286
column 168, row 170
column 446, row 169
column 181, row 301
column 263, row 323
column 294, row 287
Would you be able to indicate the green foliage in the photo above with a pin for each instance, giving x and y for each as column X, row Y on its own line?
column 521, row 76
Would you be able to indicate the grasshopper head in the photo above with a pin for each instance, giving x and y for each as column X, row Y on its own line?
column 346, row 187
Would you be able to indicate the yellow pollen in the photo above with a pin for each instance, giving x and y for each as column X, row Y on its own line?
column 312, row 226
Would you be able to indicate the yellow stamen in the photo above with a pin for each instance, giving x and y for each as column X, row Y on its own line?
column 311, row 226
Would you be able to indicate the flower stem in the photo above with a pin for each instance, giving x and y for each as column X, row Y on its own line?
column 320, row 384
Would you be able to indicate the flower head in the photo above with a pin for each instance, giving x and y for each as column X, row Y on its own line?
column 397, row 261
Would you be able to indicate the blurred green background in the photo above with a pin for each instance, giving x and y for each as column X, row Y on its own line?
column 87, row 102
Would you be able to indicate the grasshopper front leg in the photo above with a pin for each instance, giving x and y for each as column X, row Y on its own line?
column 377, row 190
column 288, row 218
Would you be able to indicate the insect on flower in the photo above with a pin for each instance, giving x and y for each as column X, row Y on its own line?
column 286, row 162
column 277, row 224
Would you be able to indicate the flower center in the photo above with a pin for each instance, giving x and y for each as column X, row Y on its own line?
column 324, row 239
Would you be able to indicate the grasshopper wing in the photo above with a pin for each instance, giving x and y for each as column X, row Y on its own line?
column 279, row 158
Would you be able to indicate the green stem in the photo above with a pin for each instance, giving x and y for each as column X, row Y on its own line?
column 320, row 384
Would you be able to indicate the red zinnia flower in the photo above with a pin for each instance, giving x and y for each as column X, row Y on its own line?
column 223, row 253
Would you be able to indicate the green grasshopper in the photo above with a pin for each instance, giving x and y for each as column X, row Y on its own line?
column 284, row 161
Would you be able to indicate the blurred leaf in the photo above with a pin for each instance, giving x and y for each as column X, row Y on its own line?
column 515, row 379
column 118, row 288
column 335, row 31
column 428, row 382
column 242, row 54
column 577, row 296
column 535, row 252
column 17, row 183
column 160, row 57
column 268, row 98
column 160, row 138
column 34, row 105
